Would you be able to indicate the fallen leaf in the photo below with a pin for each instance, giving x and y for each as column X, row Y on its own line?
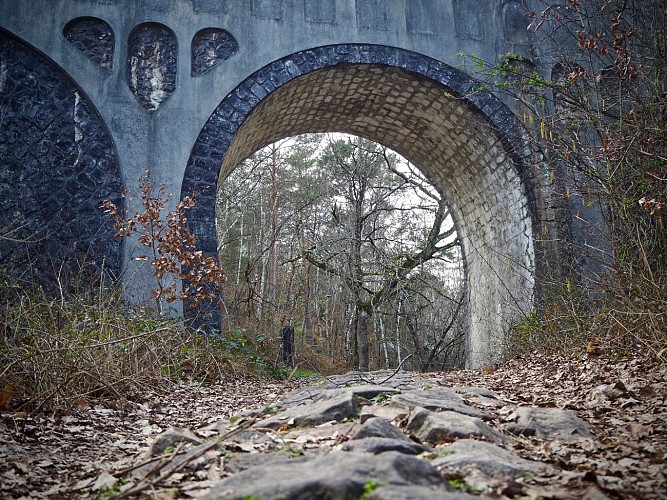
column 647, row 392
column 638, row 431
column 6, row 396
column 630, row 402
column 620, row 386
column 592, row 348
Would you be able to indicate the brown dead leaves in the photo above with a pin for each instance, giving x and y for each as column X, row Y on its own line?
column 624, row 399
column 80, row 453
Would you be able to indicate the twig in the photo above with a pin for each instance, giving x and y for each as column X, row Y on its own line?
column 146, row 481
column 110, row 342
column 395, row 371
column 51, row 393
column 141, row 464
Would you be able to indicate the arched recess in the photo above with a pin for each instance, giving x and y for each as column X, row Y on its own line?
column 466, row 142
column 57, row 164
column 209, row 48
column 151, row 64
column 93, row 37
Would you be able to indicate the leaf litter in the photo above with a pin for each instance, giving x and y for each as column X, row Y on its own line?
column 105, row 448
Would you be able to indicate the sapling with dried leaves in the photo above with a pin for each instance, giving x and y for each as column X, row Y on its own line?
column 171, row 247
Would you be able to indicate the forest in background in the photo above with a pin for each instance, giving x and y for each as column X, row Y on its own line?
column 347, row 243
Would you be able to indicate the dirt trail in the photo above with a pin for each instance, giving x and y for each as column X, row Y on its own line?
column 83, row 453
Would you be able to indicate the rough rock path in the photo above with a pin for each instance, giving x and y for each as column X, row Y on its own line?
column 537, row 427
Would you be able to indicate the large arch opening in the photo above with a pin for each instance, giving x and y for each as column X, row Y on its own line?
column 346, row 246
column 465, row 141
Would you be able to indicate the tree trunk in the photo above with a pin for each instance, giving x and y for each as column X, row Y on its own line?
column 363, row 318
column 273, row 230
column 240, row 259
column 307, row 308
column 383, row 341
column 411, row 324
column 399, row 358
column 349, row 325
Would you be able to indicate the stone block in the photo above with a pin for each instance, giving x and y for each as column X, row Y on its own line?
column 448, row 426
column 319, row 11
column 372, row 14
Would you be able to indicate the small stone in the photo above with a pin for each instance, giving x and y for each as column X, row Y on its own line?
column 300, row 396
column 368, row 391
column 390, row 413
column 171, row 438
column 481, row 397
column 552, row 423
column 379, row 427
column 605, row 392
column 377, row 445
column 448, row 426
column 475, row 391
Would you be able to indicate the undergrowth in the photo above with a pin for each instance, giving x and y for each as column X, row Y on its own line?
column 80, row 349
column 601, row 117
column 621, row 323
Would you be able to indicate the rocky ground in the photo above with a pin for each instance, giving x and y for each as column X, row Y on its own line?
column 537, row 427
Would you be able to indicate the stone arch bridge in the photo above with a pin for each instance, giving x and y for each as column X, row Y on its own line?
column 93, row 92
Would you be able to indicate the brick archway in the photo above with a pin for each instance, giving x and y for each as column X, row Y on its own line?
column 466, row 142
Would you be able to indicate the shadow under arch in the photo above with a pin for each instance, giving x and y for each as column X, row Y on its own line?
column 468, row 143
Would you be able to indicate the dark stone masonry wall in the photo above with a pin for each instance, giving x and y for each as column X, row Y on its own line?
column 94, row 37
column 210, row 47
column 58, row 165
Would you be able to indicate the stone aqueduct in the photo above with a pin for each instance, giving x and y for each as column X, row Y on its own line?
column 93, row 92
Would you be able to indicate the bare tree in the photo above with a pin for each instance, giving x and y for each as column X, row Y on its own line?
column 362, row 247
column 339, row 228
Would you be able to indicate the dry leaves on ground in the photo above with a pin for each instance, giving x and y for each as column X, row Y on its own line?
column 55, row 454
column 625, row 401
